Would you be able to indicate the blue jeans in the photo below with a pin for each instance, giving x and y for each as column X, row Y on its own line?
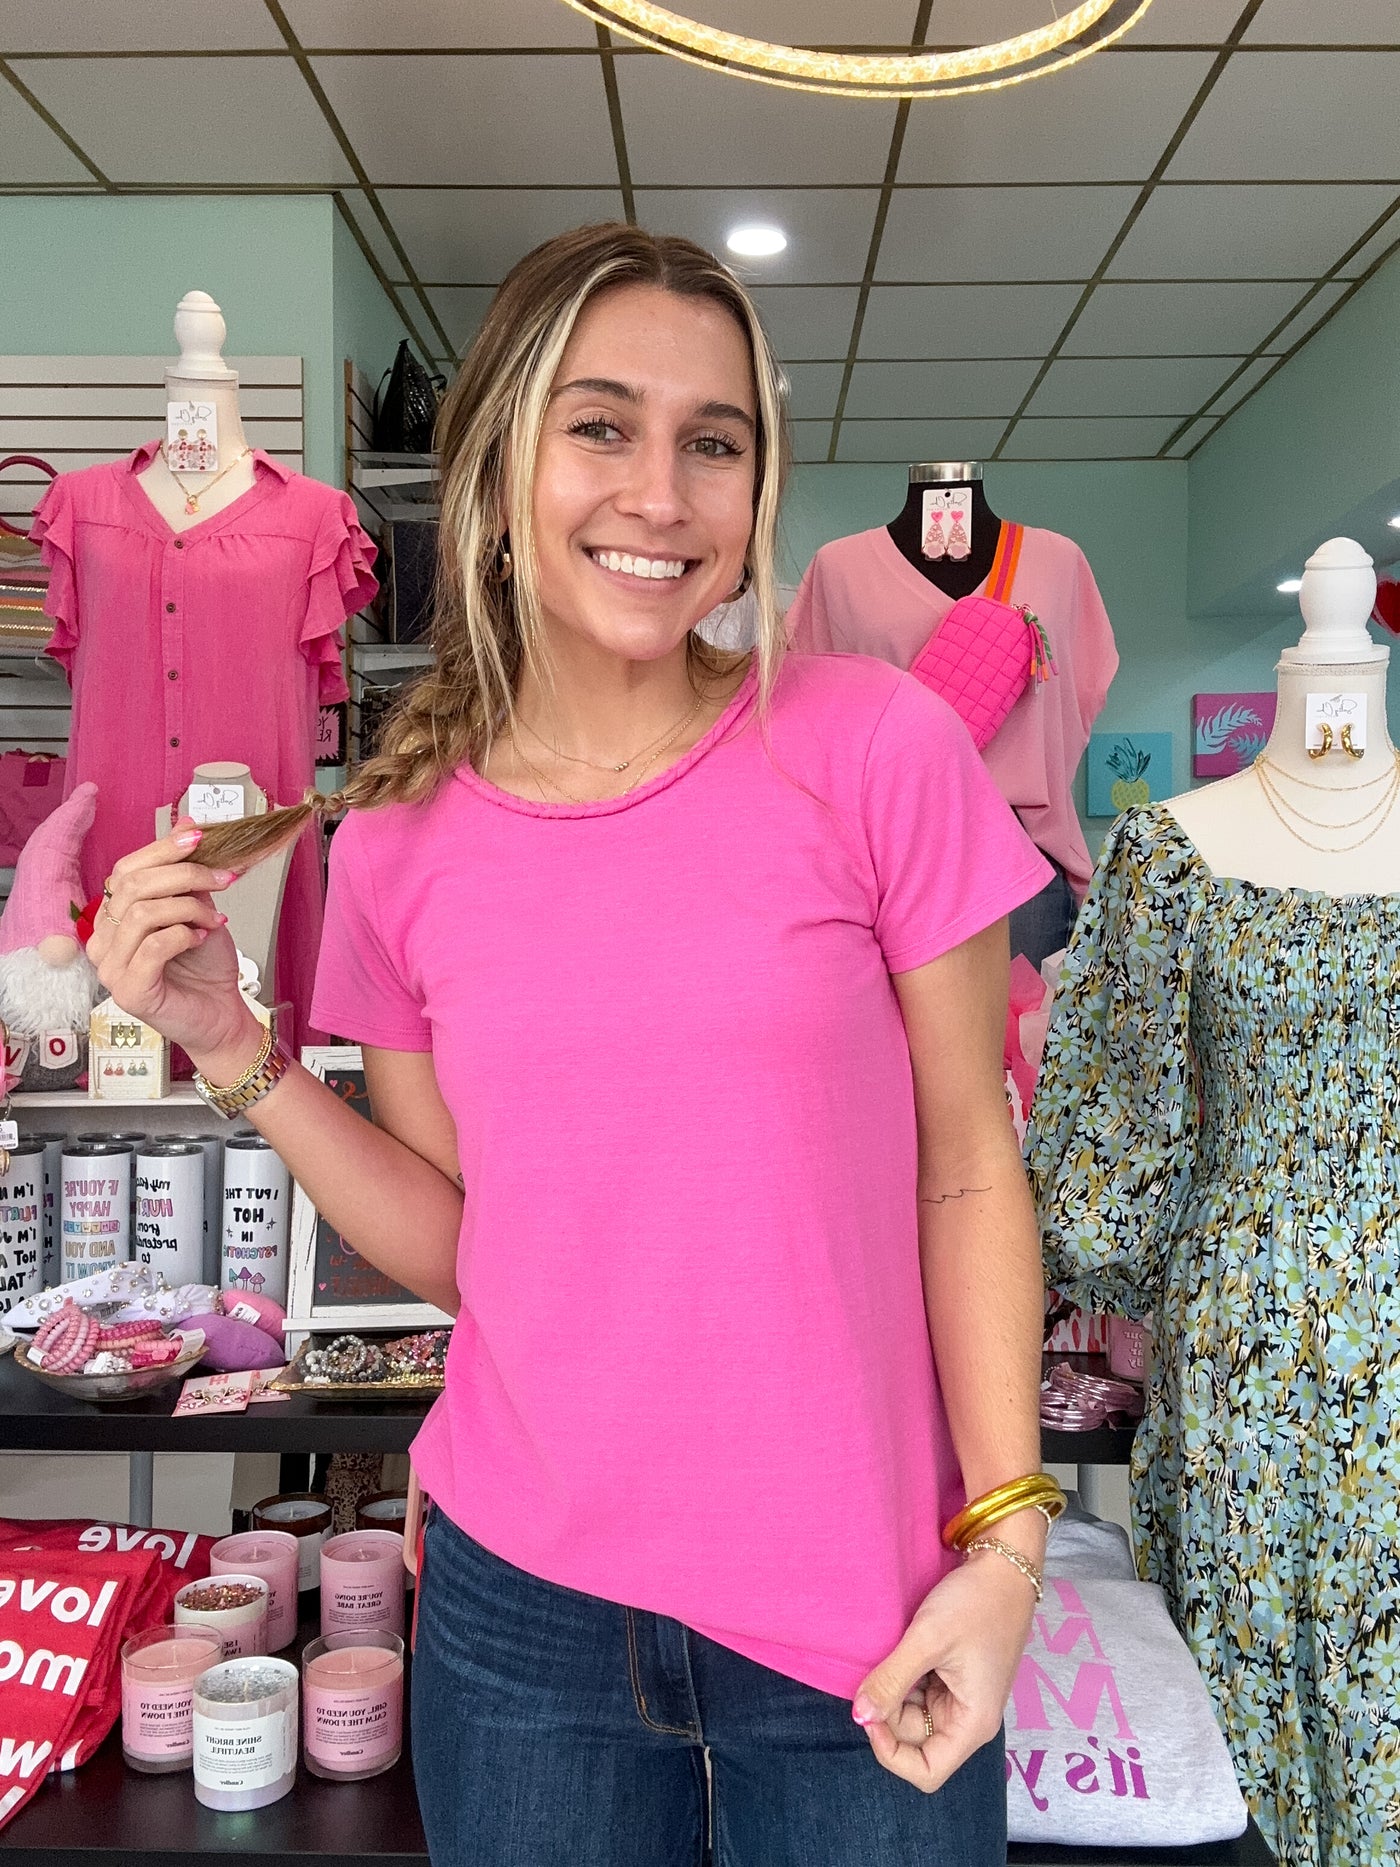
column 555, row 1729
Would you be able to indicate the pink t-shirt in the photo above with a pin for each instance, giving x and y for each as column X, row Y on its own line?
column 692, row 1369
column 862, row 595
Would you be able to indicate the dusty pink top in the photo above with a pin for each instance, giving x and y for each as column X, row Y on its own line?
column 861, row 595
column 692, row 1369
column 215, row 643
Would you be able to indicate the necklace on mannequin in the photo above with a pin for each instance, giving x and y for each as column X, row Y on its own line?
column 192, row 499
column 1283, row 810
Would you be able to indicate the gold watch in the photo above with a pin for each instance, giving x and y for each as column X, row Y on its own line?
column 265, row 1071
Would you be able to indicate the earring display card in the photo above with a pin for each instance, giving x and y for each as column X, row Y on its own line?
column 1229, row 731
column 1338, row 711
column 191, row 437
column 947, row 521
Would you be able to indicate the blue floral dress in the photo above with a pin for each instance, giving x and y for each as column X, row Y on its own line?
column 1216, row 1138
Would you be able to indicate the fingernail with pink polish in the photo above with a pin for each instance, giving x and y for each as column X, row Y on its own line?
column 223, row 920
column 188, row 838
column 865, row 1710
column 222, row 877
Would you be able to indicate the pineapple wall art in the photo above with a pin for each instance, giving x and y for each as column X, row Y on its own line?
column 1124, row 771
column 1229, row 731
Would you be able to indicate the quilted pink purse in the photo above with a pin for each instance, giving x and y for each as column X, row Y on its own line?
column 986, row 651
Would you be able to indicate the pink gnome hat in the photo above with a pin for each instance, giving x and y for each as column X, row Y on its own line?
column 47, row 881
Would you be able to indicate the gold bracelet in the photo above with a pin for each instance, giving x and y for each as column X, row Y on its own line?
column 1036, row 1491
column 1034, row 1575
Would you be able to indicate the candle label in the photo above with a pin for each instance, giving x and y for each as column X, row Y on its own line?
column 357, row 1610
column 354, row 1730
column 157, row 1720
column 234, row 1754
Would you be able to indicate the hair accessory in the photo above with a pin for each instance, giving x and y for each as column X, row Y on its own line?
column 1326, row 746
column 1036, row 1491
column 1351, row 750
column 1033, row 1574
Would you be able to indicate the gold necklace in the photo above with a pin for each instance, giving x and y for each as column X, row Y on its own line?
column 592, row 764
column 1386, row 805
column 192, row 499
column 1307, row 784
column 541, row 781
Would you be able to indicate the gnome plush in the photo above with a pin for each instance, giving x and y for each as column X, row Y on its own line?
column 47, row 983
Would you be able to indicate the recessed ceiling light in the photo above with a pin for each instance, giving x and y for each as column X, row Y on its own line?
column 755, row 240
column 1290, row 586
column 1394, row 523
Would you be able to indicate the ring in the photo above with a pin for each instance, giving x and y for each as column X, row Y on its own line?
column 928, row 1723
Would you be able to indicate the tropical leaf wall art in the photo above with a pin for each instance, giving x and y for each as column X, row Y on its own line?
column 1229, row 731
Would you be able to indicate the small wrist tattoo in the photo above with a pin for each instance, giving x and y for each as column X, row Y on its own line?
column 961, row 1193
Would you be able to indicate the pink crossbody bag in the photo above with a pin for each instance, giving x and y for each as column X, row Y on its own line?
column 987, row 650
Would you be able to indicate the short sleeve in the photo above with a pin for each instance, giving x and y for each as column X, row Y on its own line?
column 1095, row 651
column 53, row 531
column 339, row 582
column 360, row 992
column 1113, row 1128
column 950, row 857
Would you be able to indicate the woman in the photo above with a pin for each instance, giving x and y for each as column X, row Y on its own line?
column 681, row 981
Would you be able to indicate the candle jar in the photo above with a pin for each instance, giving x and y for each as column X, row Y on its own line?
column 305, row 1515
column 245, row 1733
column 233, row 1606
column 382, row 1510
column 362, row 1582
column 273, row 1555
column 352, row 1705
column 159, row 1668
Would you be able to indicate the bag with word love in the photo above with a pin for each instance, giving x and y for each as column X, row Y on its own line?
column 183, row 1556
column 63, row 1617
column 1110, row 1735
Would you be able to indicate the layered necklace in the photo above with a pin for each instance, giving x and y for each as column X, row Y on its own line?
column 1289, row 815
column 647, row 755
column 192, row 499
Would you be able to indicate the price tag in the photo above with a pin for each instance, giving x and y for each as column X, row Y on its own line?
column 216, row 803
column 9, row 1134
column 1337, row 711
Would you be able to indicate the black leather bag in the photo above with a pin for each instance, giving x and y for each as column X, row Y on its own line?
column 405, row 411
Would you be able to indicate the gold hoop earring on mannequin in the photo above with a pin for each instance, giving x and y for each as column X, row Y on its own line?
column 1326, row 746
column 1351, row 750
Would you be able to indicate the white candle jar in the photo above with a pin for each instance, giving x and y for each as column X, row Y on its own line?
column 233, row 1606
column 245, row 1733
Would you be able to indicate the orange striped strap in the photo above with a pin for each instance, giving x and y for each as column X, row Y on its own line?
column 1008, row 557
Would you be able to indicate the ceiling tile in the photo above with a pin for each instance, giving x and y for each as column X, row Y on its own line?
column 1176, row 320
column 1000, row 233
column 473, row 236
column 118, row 110
column 367, row 221
column 892, row 390
column 1139, row 386
column 1193, row 437
column 965, row 320
column 1376, row 248
column 813, row 389
column 745, row 135
column 1307, row 317
column 814, row 22
column 807, row 320
column 1108, row 119
column 512, row 120
column 917, row 440
column 1086, row 440
column 136, row 26
column 460, row 309
column 1246, row 232
column 1185, row 22
column 1233, row 393
column 437, row 24
column 1338, row 22
column 811, row 441
column 1275, row 116
column 30, row 154
column 828, row 229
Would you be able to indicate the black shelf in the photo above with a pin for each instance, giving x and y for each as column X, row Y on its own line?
column 37, row 1418
column 1105, row 1445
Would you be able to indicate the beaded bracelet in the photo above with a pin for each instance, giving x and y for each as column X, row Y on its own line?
column 1034, row 1575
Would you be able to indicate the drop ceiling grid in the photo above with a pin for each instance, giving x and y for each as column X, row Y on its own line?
column 1125, row 285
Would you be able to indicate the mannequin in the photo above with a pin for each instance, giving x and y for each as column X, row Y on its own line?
column 1234, row 826
column 955, row 577
column 201, row 375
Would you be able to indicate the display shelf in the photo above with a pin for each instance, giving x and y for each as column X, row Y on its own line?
column 1105, row 1445
column 377, row 655
column 183, row 1096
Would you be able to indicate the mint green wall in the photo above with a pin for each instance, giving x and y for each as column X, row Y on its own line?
column 101, row 276
column 366, row 327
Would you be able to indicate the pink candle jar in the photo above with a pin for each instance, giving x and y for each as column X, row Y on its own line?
column 362, row 1582
column 1127, row 1348
column 273, row 1555
column 232, row 1606
column 352, row 1705
column 159, row 1668
column 245, row 1733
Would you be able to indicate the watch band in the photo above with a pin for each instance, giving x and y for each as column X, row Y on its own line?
column 265, row 1071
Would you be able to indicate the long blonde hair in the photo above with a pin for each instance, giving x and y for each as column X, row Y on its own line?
column 485, row 623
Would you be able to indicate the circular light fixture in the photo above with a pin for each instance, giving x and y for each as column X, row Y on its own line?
column 1290, row 586
column 1083, row 30
column 1394, row 523
column 754, row 240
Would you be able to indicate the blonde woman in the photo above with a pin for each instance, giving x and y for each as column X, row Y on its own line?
column 681, row 980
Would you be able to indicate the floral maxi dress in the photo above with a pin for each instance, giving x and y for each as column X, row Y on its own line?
column 1216, row 1138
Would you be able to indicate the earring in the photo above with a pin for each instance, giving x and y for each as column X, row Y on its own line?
column 1351, row 750
column 1326, row 746
column 934, row 546
column 503, row 564
column 742, row 586
column 958, row 546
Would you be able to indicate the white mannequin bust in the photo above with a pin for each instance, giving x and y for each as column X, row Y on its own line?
column 201, row 375
column 1323, row 823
